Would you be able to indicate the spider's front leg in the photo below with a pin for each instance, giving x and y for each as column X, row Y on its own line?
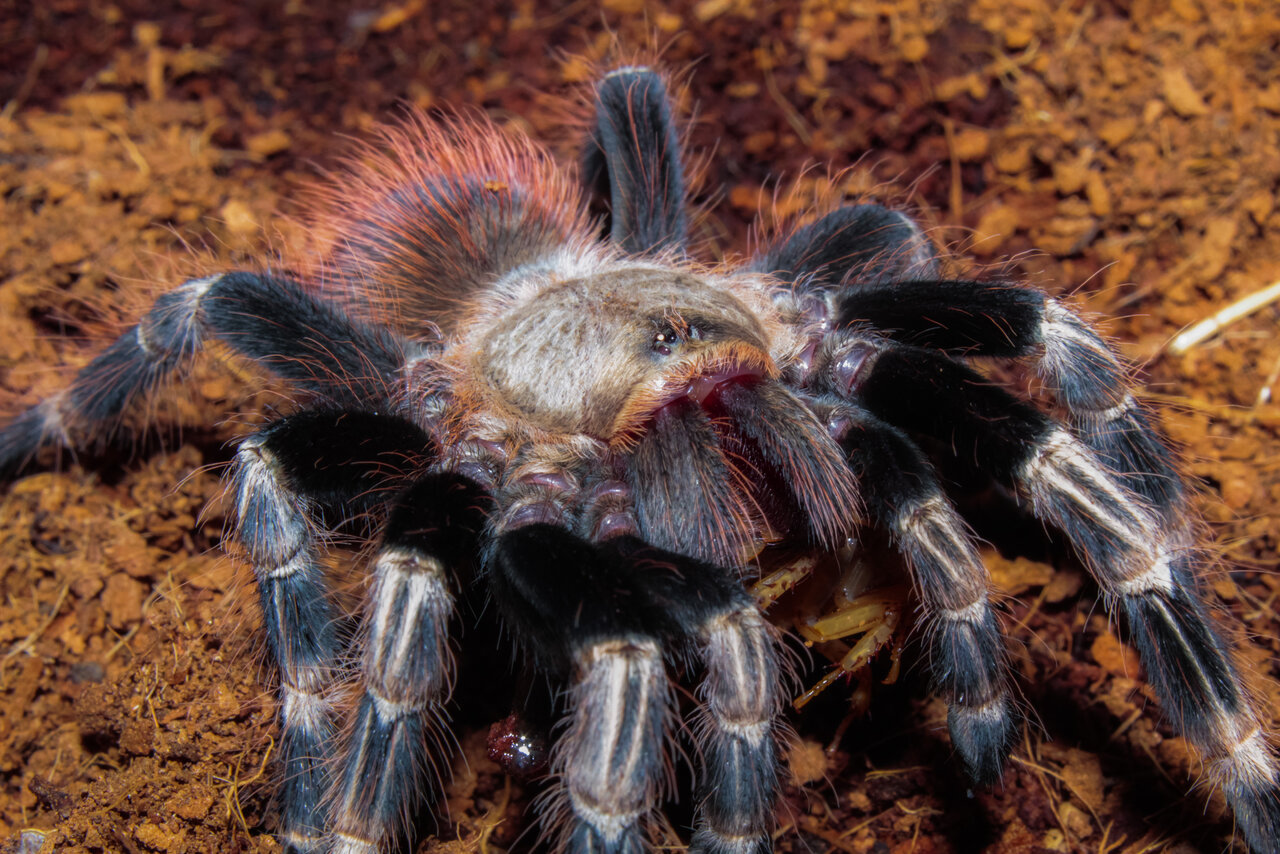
column 288, row 478
column 868, row 265
column 579, row 613
column 1090, row 382
column 1145, row 562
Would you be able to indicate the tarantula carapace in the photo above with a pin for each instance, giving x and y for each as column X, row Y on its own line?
column 607, row 431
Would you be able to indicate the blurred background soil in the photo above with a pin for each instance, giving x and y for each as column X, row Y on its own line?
column 1125, row 153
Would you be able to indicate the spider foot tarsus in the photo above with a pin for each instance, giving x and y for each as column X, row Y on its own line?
column 739, row 758
column 1190, row 665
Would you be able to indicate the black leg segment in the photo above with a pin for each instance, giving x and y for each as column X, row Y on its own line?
column 633, row 159
column 851, row 248
column 391, row 755
column 966, row 646
column 583, row 614
column 286, row 478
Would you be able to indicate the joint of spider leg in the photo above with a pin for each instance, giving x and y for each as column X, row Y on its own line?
column 627, row 71
column 1252, row 758
column 305, row 709
column 172, row 319
column 53, row 419
column 308, row 681
column 479, row 460
column 737, row 843
column 298, row 841
column 1084, row 372
column 423, row 387
column 626, row 648
column 608, row 511
column 974, row 612
column 838, row 366
column 1110, row 414
column 346, row 843
column 388, row 710
column 611, row 825
column 1155, row 577
column 837, row 419
column 538, row 497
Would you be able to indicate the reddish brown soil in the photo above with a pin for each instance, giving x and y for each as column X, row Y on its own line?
column 1127, row 153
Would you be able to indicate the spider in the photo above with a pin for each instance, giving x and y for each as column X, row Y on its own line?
column 600, row 433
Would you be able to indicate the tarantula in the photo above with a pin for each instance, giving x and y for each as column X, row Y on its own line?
column 607, row 431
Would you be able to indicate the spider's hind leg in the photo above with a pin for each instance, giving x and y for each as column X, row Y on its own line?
column 406, row 670
column 285, row 477
column 272, row 320
column 633, row 158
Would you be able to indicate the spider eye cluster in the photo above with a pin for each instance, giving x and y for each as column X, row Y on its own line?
column 668, row 339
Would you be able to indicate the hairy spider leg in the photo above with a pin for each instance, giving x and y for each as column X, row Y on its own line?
column 852, row 248
column 608, row 612
column 708, row 477
column 790, row 458
column 967, row 658
column 269, row 319
column 406, row 671
column 852, row 244
column 632, row 159
column 871, row 265
column 741, row 693
column 285, row 477
column 684, row 490
column 581, row 614
column 1143, row 566
column 994, row 319
column 782, row 462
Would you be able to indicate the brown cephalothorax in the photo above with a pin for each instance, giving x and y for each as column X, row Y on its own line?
column 589, row 355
